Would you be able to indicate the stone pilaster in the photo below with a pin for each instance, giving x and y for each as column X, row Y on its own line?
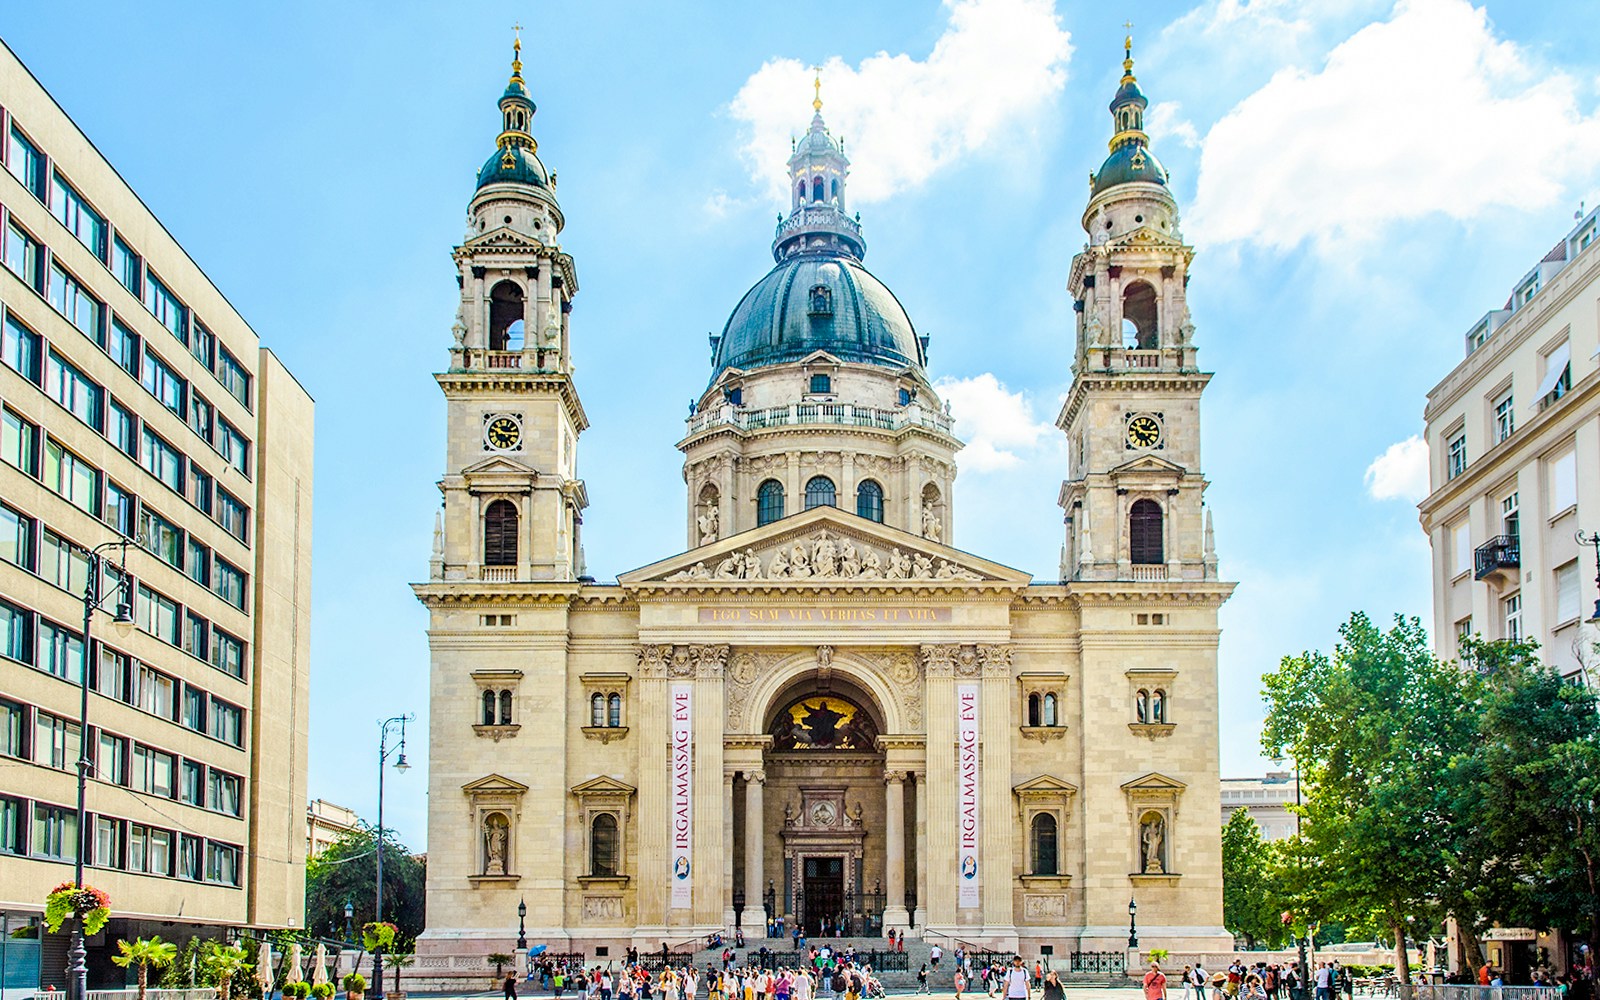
column 939, row 900
column 755, row 830
column 654, row 794
column 895, row 916
column 995, row 726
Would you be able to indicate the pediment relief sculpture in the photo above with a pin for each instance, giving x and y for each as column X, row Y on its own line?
column 826, row 555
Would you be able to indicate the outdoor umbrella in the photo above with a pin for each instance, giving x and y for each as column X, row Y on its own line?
column 264, row 968
column 295, row 973
column 319, row 972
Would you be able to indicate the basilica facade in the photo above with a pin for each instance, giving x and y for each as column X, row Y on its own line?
column 818, row 708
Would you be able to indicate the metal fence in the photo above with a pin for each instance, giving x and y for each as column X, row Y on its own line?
column 1097, row 962
column 1444, row 992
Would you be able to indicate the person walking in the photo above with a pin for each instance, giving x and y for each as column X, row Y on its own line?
column 934, row 954
column 1155, row 983
column 1017, row 985
column 510, row 988
column 1051, row 990
column 961, row 981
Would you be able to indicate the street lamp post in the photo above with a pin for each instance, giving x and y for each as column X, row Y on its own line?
column 1300, row 942
column 349, row 914
column 1593, row 538
column 522, row 925
column 399, row 765
column 93, row 600
column 1133, row 927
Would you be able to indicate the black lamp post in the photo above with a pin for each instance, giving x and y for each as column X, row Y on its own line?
column 349, row 915
column 1133, row 927
column 522, row 925
column 384, row 750
column 1299, row 860
column 1593, row 538
column 93, row 600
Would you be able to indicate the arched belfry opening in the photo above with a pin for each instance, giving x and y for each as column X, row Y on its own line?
column 813, row 837
column 1139, row 316
column 506, row 317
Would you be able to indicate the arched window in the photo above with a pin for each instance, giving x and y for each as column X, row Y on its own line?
column 505, row 308
column 1033, row 709
column 597, row 710
column 1144, row 533
column 1045, row 860
column 614, row 711
column 1141, row 706
column 1158, row 706
column 500, row 534
column 869, row 501
column 801, row 190
column 488, row 708
column 1139, row 309
column 769, row 502
column 505, row 708
column 816, row 188
column 819, row 492
column 1049, row 715
column 603, row 846
column 833, row 190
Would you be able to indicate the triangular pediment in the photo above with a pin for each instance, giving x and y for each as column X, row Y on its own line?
column 498, row 465
column 1145, row 236
column 1155, row 781
column 503, row 238
column 1045, row 784
column 824, row 546
column 603, row 785
column 1148, row 465
column 820, row 358
column 494, row 783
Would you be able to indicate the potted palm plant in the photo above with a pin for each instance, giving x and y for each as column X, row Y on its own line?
column 355, row 986
column 225, row 961
column 145, row 952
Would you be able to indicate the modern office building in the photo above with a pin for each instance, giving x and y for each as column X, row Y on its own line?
column 137, row 404
column 1266, row 799
column 1514, row 457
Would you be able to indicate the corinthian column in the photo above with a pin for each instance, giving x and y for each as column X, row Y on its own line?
column 894, row 835
column 754, row 839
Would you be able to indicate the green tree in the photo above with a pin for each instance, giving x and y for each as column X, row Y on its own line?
column 184, row 973
column 499, row 960
column 347, row 871
column 1252, row 895
column 145, row 952
column 224, row 962
column 1374, row 729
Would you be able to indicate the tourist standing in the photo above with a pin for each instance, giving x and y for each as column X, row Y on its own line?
column 1155, row 983
column 1017, row 986
column 1051, row 990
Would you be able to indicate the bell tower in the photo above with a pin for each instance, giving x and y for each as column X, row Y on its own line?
column 1134, row 494
column 513, row 504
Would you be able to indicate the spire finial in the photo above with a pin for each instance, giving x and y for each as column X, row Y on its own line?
column 1127, row 53
column 816, row 83
column 516, row 51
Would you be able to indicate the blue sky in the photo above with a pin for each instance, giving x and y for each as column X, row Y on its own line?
column 1362, row 180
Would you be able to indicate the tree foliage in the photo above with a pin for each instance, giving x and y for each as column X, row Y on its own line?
column 1252, row 894
column 347, row 871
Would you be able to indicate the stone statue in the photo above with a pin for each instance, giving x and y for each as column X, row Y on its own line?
column 899, row 565
column 799, row 562
column 1151, row 836
column 824, row 557
column 494, row 849
column 730, row 567
column 1142, row 706
column 921, row 567
column 778, row 569
column 931, row 528
column 849, row 560
column 708, row 526
column 857, row 813
column 751, row 570
column 871, row 566
column 788, row 813
column 552, row 324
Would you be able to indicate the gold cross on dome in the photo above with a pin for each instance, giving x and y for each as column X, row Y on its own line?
column 817, row 84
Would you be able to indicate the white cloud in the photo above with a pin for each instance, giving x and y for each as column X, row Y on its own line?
column 1427, row 112
column 1165, row 120
column 997, row 64
column 1401, row 472
column 995, row 422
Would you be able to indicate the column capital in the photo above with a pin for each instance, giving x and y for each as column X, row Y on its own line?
column 756, row 777
column 894, row 777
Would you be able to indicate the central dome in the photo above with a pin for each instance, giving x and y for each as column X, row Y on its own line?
column 814, row 303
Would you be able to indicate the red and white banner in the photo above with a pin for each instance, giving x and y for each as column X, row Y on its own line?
column 682, row 810
column 967, row 795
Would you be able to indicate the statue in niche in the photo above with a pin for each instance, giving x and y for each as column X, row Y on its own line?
column 788, row 813
column 496, row 836
column 707, row 523
column 552, row 324
column 1141, row 704
column 1152, row 834
column 857, row 813
column 931, row 528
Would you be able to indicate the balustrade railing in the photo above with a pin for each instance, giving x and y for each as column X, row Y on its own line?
column 848, row 414
column 498, row 574
column 1150, row 572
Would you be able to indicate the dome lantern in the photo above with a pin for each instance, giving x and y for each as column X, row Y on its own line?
column 818, row 170
column 1131, row 160
column 515, row 159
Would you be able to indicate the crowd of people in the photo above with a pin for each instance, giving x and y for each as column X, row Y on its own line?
column 823, row 974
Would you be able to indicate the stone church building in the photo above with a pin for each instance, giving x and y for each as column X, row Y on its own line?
column 821, row 708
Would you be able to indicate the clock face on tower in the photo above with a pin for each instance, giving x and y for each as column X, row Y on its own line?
column 1144, row 431
column 502, row 433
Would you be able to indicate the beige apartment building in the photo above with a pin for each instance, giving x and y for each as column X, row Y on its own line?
column 1514, row 464
column 326, row 822
column 1267, row 799
column 136, row 403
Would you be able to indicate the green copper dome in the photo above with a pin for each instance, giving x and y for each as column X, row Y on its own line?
column 1129, row 163
column 513, row 164
column 818, row 302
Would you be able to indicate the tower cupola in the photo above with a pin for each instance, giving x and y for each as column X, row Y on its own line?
column 818, row 169
column 1131, row 160
column 515, row 158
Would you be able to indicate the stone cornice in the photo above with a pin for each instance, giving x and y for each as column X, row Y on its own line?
column 1096, row 380
column 682, row 591
column 455, row 383
column 1200, row 592
column 812, row 431
column 467, row 593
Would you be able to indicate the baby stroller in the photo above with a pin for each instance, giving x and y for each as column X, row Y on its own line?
column 873, row 989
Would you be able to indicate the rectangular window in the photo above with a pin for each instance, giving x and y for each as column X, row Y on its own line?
column 19, row 443
column 75, row 480
column 152, row 771
column 164, row 383
column 1456, row 461
column 16, row 538
column 230, row 582
column 152, row 691
column 222, row 792
column 227, row 722
column 200, row 417
column 196, row 636
column 60, row 652
column 16, row 633
column 233, row 376
column 111, row 674
column 122, row 429
column 1511, row 617
column 1563, row 482
column 192, row 783
column 124, row 347
column 1567, row 603
column 161, row 537
column 12, row 717
column 203, row 345
column 194, row 708
column 165, row 307
column 199, row 562
column 84, row 222
column 222, row 863
column 119, row 509
column 161, row 459
column 1510, row 517
column 24, row 255
column 12, row 821
column 149, row 850
column 73, row 301
column 188, row 857
column 55, row 832
column 26, row 163
column 125, row 264
column 227, row 653
column 62, row 563
column 20, row 349
column 109, row 760
column 158, row 615
column 233, row 447
column 56, row 742
column 1460, row 548
column 200, row 488
column 74, row 390
column 233, row 515
column 1505, row 419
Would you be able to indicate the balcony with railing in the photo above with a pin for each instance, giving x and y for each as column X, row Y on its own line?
column 799, row 414
column 1500, row 556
